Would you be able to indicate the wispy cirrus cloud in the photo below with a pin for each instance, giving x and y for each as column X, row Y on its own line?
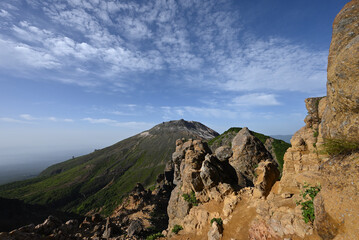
column 169, row 113
column 97, row 44
column 27, row 118
column 255, row 99
column 112, row 122
column 11, row 120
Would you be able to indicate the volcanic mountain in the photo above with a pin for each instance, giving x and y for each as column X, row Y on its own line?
column 98, row 181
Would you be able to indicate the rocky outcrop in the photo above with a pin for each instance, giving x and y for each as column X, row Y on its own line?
column 208, row 185
column 341, row 116
column 197, row 174
column 248, row 152
column 268, row 174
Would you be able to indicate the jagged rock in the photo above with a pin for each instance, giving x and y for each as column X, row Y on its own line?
column 48, row 225
column 135, row 228
column 341, row 117
column 325, row 225
column 27, row 228
column 177, row 208
column 107, row 233
column 96, row 218
column 215, row 233
column 188, row 155
column 224, row 153
column 214, row 171
column 261, row 231
column 268, row 174
column 229, row 204
column 248, row 151
column 190, row 168
column 209, row 174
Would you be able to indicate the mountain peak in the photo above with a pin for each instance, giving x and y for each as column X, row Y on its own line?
column 187, row 126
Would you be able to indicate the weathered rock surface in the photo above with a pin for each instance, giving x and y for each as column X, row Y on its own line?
column 341, row 117
column 268, row 174
column 337, row 204
column 215, row 233
column 248, row 152
column 214, row 183
column 224, row 153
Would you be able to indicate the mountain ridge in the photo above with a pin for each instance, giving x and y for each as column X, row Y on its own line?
column 98, row 180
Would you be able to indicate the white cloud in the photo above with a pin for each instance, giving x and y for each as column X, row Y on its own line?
column 113, row 43
column 275, row 64
column 55, row 119
column 256, row 99
column 28, row 117
column 11, row 120
column 111, row 122
column 100, row 120
column 4, row 13
column 170, row 113
column 18, row 56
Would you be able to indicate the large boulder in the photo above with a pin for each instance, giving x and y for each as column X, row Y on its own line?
column 214, row 171
column 341, row 117
column 248, row 152
column 268, row 174
column 224, row 153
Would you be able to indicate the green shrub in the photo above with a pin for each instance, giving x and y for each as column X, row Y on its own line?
column 337, row 146
column 155, row 236
column 315, row 134
column 176, row 228
column 191, row 198
column 218, row 220
column 308, row 194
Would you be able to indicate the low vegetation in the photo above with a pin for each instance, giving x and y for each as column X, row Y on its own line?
column 308, row 194
column 191, row 198
column 176, row 228
column 338, row 146
column 217, row 220
column 98, row 180
column 155, row 236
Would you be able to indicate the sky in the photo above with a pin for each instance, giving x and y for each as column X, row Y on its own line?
column 78, row 75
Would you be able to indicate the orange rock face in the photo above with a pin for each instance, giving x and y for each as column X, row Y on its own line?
column 341, row 117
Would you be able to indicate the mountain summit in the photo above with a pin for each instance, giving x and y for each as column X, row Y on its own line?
column 192, row 127
column 98, row 181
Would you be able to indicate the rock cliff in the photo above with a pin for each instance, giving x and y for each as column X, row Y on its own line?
column 341, row 116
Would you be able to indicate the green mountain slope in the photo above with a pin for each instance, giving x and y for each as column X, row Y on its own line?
column 98, row 181
column 279, row 146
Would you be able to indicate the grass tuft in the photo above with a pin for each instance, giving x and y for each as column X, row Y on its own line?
column 155, row 236
column 191, row 198
column 176, row 228
column 337, row 146
column 217, row 220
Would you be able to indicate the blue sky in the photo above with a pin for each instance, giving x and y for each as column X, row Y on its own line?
column 77, row 75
